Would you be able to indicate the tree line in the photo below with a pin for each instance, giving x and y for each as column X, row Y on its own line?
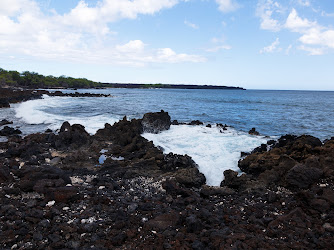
column 29, row 79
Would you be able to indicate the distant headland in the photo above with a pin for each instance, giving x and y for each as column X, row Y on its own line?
column 168, row 86
column 34, row 80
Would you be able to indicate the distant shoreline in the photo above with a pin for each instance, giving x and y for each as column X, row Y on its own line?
column 168, row 86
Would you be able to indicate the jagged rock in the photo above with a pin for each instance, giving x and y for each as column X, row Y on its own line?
column 253, row 132
column 6, row 131
column 190, row 177
column 232, row 180
column 30, row 176
column 71, row 135
column 175, row 161
column 156, row 122
column 4, row 103
column 5, row 122
column 196, row 122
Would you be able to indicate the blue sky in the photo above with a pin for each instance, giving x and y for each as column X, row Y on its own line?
column 256, row 44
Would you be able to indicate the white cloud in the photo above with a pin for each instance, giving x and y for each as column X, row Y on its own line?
column 81, row 35
column 191, row 25
column 168, row 55
column 297, row 24
column 272, row 47
column 315, row 38
column 312, row 51
column 265, row 10
column 305, row 3
column 227, row 5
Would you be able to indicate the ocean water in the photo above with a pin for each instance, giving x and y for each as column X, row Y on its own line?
column 272, row 113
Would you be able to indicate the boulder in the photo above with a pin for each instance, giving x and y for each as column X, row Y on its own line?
column 75, row 135
column 190, row 177
column 253, row 132
column 156, row 122
column 175, row 161
column 196, row 122
column 43, row 176
column 301, row 176
column 232, row 180
column 4, row 103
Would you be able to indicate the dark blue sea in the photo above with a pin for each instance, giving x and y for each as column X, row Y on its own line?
column 272, row 113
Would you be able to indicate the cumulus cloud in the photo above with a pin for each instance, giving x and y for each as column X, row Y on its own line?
column 315, row 38
column 227, row 5
column 297, row 24
column 272, row 47
column 266, row 9
column 82, row 34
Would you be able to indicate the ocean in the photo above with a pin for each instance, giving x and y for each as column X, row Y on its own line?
column 272, row 113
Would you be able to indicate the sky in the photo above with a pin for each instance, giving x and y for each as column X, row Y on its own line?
column 255, row 44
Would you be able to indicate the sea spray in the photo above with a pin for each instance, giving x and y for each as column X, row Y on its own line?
column 213, row 149
column 44, row 111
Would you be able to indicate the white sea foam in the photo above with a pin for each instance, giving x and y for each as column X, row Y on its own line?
column 213, row 151
column 34, row 112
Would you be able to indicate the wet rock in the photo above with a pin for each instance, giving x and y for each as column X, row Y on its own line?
column 302, row 177
column 253, row 132
column 196, row 122
column 175, row 122
column 190, row 177
column 4, row 103
column 5, row 122
column 156, row 122
column 7, row 131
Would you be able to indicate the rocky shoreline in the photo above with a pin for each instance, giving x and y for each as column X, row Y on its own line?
column 116, row 190
column 16, row 95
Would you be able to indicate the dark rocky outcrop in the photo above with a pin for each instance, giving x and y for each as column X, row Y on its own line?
column 253, row 132
column 156, row 122
column 7, row 131
column 195, row 122
column 5, row 122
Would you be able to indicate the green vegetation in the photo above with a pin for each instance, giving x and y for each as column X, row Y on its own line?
column 34, row 80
